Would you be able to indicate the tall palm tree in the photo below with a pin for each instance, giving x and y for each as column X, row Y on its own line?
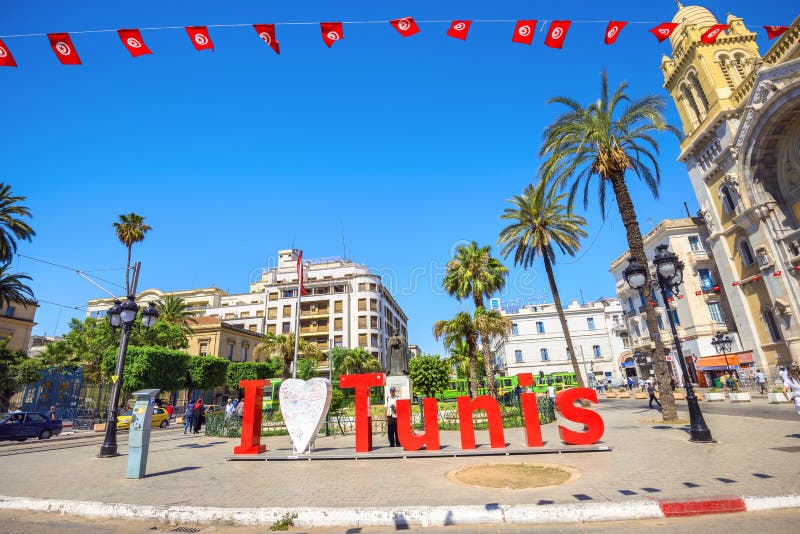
column 492, row 325
column 473, row 272
column 13, row 288
column 598, row 145
column 12, row 227
column 130, row 229
column 541, row 223
column 59, row 355
column 282, row 346
column 172, row 310
column 461, row 329
column 358, row 360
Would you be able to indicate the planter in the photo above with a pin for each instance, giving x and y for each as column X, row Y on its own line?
column 611, row 395
column 679, row 396
column 715, row 396
column 624, row 395
column 99, row 427
column 640, row 395
column 740, row 396
column 777, row 398
column 699, row 396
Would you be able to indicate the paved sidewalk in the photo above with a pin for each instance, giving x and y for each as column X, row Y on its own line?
column 753, row 456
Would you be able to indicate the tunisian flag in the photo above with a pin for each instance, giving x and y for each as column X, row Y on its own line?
column 523, row 32
column 267, row 34
column 331, row 32
column 405, row 27
column 200, row 38
column 557, row 33
column 775, row 31
column 132, row 39
column 64, row 49
column 459, row 29
column 300, row 272
column 710, row 36
column 612, row 31
column 6, row 59
column 663, row 30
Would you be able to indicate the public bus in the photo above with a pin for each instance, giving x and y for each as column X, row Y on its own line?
column 508, row 384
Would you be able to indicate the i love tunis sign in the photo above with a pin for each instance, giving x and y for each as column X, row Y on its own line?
column 593, row 426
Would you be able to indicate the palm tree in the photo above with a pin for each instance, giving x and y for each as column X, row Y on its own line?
column 282, row 346
column 12, row 227
column 603, row 141
column 130, row 229
column 492, row 325
column 358, row 360
column 474, row 272
column 12, row 287
column 172, row 310
column 461, row 329
column 59, row 355
column 541, row 222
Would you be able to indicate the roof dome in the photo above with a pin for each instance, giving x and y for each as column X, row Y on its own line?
column 695, row 15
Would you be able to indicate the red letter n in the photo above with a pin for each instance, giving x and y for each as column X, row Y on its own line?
column 495, row 419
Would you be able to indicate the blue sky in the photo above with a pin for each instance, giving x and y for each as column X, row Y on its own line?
column 411, row 145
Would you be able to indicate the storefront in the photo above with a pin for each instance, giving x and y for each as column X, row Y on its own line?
column 738, row 364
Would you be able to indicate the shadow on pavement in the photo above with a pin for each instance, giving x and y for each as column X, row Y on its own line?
column 172, row 471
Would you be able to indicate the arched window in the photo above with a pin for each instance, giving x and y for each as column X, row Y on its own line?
column 740, row 63
column 729, row 199
column 747, row 253
column 691, row 106
column 731, row 76
column 700, row 96
column 772, row 325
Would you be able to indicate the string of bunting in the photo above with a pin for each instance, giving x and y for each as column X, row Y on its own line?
column 524, row 30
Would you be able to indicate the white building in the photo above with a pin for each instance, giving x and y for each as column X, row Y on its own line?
column 537, row 342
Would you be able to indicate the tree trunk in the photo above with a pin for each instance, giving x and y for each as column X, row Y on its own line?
column 472, row 344
column 489, row 365
column 128, row 273
column 287, row 367
column 636, row 248
column 561, row 317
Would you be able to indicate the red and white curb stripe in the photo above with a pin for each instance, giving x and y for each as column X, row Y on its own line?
column 412, row 515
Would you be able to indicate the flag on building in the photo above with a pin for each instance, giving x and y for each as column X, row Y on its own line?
column 300, row 273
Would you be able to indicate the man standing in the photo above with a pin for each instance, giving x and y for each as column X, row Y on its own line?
column 651, row 390
column 391, row 417
column 229, row 409
column 762, row 380
column 551, row 392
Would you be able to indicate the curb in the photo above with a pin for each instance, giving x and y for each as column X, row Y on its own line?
column 402, row 517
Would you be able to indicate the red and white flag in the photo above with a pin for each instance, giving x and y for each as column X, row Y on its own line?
column 775, row 31
column 132, row 39
column 612, row 31
column 523, row 32
column 663, row 30
column 710, row 36
column 331, row 32
column 267, row 34
column 459, row 29
column 6, row 59
column 300, row 273
column 64, row 49
column 557, row 33
column 200, row 38
column 405, row 27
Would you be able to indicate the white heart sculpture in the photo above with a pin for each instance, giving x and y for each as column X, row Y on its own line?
column 304, row 405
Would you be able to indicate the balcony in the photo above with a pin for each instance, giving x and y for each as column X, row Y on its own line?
column 315, row 312
column 619, row 328
column 314, row 330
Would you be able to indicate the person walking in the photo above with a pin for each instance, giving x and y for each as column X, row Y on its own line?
column 551, row 393
column 170, row 409
column 240, row 410
column 791, row 386
column 630, row 384
column 651, row 390
column 391, row 417
column 229, row 409
column 187, row 416
column 761, row 379
column 197, row 415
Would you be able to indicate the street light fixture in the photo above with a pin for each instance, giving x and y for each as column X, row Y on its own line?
column 722, row 344
column 668, row 276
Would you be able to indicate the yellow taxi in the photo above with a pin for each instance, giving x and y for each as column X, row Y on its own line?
column 160, row 419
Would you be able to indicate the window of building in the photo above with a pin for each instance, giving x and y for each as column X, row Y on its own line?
column 253, row 328
column 675, row 318
column 540, row 327
column 204, row 348
column 362, row 321
column 338, row 289
column 244, row 353
column 772, row 325
column 362, row 304
column 260, row 313
column 716, row 312
column 544, row 355
column 288, row 293
column 631, row 306
column 287, row 310
column 695, row 244
column 590, row 323
column 373, row 304
column 373, row 322
column 746, row 252
column 518, row 356
column 272, row 313
column 728, row 199
column 706, row 282
column 337, row 341
column 373, row 340
column 514, row 329
column 626, row 342
column 271, row 328
column 244, row 314
column 230, row 316
column 337, row 306
column 337, row 323
column 596, row 351
column 10, row 310
column 285, row 327
column 362, row 340
column 660, row 321
column 230, row 350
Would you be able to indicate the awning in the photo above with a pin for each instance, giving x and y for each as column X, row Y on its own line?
column 718, row 363
column 745, row 357
column 628, row 363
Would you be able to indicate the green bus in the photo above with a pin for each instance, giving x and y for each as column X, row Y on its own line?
column 508, row 384
column 270, row 401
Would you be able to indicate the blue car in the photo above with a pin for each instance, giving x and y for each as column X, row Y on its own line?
column 20, row 426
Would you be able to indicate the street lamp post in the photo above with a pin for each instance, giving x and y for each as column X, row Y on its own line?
column 722, row 344
column 123, row 315
column 669, row 275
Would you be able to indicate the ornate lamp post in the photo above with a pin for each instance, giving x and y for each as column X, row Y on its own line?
column 722, row 344
column 668, row 276
column 123, row 315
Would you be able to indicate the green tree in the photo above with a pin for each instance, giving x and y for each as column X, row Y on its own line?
column 492, row 326
column 282, row 346
column 13, row 288
column 12, row 225
column 206, row 372
column 9, row 362
column 238, row 371
column 28, row 371
column 429, row 374
column 356, row 361
column 160, row 334
column 473, row 272
column 306, row 368
column 540, row 223
column 337, row 356
column 60, row 356
column 130, row 229
column 172, row 310
column 461, row 328
column 150, row 367
column 89, row 340
column 597, row 145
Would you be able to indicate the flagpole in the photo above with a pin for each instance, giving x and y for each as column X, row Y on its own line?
column 297, row 315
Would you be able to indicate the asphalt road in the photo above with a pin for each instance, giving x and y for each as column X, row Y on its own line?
column 757, row 408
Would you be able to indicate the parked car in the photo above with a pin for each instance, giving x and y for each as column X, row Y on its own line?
column 160, row 419
column 214, row 408
column 23, row 425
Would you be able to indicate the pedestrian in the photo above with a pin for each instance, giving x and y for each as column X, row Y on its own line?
column 52, row 413
column 761, row 378
column 240, row 409
column 783, row 373
column 170, row 409
column 197, row 415
column 391, row 417
column 551, row 393
column 651, row 390
column 630, row 384
column 729, row 383
column 187, row 416
column 229, row 409
column 672, row 384
column 791, row 386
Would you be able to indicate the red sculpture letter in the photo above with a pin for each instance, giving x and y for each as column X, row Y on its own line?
column 493, row 417
column 251, row 417
column 530, row 412
column 591, row 420
column 411, row 441
column 362, row 383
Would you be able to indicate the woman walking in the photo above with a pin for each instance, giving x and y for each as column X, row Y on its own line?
column 791, row 386
column 197, row 415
